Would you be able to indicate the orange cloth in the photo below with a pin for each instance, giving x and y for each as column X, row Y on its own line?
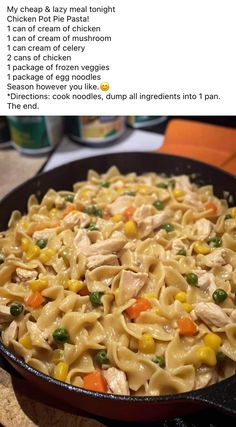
column 209, row 143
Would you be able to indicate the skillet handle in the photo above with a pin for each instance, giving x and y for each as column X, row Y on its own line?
column 221, row 396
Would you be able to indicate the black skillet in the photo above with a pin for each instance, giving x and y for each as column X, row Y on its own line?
column 220, row 396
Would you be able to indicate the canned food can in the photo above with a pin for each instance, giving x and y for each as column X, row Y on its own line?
column 35, row 134
column 4, row 133
column 144, row 121
column 95, row 130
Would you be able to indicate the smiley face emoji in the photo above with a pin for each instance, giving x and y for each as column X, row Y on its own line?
column 104, row 86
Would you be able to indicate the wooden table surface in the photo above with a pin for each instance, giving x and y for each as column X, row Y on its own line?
column 16, row 168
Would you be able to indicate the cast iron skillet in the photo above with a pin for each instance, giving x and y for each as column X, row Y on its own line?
column 221, row 396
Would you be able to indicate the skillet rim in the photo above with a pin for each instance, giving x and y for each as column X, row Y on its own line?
column 188, row 395
column 124, row 153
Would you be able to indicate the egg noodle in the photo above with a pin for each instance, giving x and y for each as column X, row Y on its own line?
column 125, row 285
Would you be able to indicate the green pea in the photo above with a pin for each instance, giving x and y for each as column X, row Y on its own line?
column 215, row 242
column 105, row 184
column 16, row 308
column 182, row 252
column 220, row 356
column 69, row 198
column 160, row 360
column 219, row 295
column 158, row 205
column 162, row 185
column 93, row 210
column 228, row 216
column 91, row 226
column 192, row 279
column 2, row 259
column 61, row 335
column 95, row 298
column 42, row 243
column 168, row 227
column 101, row 357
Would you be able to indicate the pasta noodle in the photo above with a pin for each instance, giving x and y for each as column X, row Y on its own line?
column 131, row 277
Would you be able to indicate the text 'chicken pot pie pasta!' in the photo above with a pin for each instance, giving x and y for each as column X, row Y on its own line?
column 125, row 285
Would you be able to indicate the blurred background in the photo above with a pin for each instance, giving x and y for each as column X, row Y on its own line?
column 32, row 144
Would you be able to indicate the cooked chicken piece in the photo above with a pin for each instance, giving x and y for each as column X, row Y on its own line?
column 204, row 377
column 47, row 234
column 206, row 281
column 5, row 314
column 24, row 275
column 10, row 333
column 98, row 260
column 84, row 219
column 183, row 182
column 130, row 285
column 81, row 240
column 75, row 218
column 178, row 215
column 227, row 271
column 120, row 204
column 147, row 225
column 59, row 202
column 191, row 199
column 177, row 245
column 211, row 314
column 147, row 180
column 37, row 336
column 104, row 247
column 201, row 229
column 117, row 184
column 116, row 381
column 142, row 212
column 217, row 257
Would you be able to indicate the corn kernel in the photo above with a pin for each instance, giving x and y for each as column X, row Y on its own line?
column 206, row 355
column 177, row 192
column 46, row 255
column 117, row 218
column 32, row 252
column 149, row 295
column 181, row 296
column 75, row 285
column 120, row 190
column 26, row 341
column 232, row 212
column 146, row 344
column 58, row 356
column 143, row 189
column 187, row 307
column 158, row 311
column 60, row 371
column 24, row 225
column 201, row 248
column 85, row 194
column 53, row 212
column 25, row 244
column 131, row 229
column 212, row 340
column 38, row 285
